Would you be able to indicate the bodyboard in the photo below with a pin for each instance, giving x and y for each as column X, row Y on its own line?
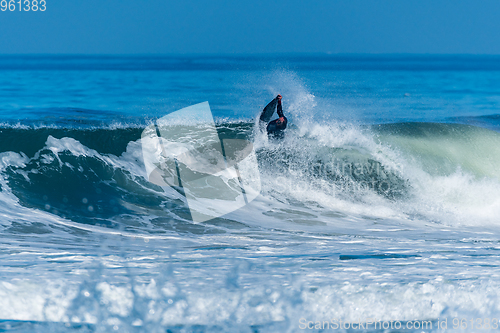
column 268, row 111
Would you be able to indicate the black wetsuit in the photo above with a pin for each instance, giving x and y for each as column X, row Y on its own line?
column 274, row 129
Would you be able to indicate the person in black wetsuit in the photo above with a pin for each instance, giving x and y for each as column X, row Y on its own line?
column 276, row 128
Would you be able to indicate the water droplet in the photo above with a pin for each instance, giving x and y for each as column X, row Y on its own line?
column 85, row 200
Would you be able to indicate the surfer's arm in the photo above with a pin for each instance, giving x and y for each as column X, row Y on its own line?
column 279, row 109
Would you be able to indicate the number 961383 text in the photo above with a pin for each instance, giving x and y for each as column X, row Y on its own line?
column 23, row 5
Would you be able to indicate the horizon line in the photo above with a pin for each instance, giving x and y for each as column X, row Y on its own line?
column 270, row 54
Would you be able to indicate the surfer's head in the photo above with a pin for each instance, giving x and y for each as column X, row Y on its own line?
column 281, row 122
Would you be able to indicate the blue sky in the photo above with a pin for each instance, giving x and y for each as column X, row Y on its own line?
column 256, row 26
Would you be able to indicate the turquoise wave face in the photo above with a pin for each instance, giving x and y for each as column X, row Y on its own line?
column 441, row 149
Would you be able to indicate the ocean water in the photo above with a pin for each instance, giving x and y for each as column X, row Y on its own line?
column 381, row 205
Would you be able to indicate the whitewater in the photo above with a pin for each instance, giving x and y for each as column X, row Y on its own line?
column 380, row 204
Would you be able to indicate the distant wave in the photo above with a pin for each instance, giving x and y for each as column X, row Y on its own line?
column 252, row 62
